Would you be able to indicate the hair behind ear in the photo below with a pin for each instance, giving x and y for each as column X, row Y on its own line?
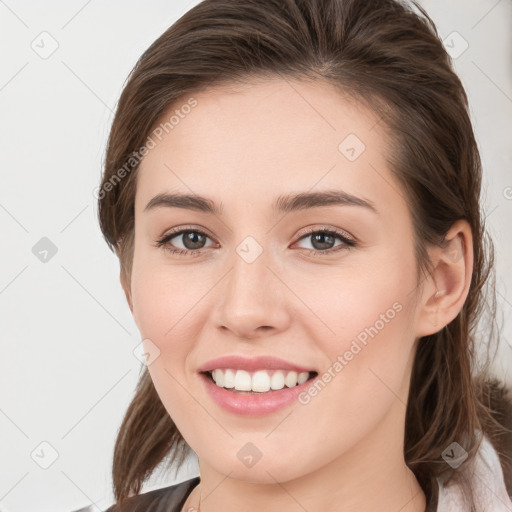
column 124, row 251
column 146, row 435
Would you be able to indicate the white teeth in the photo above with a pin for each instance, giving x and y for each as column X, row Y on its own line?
column 229, row 378
column 302, row 377
column 242, row 381
column 277, row 380
column 260, row 381
column 291, row 379
column 218, row 377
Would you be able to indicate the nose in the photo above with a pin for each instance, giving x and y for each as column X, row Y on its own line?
column 251, row 300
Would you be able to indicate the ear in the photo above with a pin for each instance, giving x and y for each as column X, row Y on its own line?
column 447, row 287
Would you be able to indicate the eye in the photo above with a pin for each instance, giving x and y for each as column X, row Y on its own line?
column 323, row 240
column 192, row 240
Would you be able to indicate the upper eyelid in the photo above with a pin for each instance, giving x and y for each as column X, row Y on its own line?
column 337, row 231
column 180, row 230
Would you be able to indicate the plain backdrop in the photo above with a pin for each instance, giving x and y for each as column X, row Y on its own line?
column 67, row 367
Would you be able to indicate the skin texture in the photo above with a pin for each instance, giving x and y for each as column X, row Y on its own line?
column 243, row 146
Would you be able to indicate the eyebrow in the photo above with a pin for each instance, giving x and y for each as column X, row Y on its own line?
column 284, row 203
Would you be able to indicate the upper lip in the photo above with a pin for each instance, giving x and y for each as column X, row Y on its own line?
column 237, row 362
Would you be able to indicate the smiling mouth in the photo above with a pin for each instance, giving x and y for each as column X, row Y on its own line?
column 259, row 382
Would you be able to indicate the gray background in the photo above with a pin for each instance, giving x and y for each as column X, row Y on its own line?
column 68, row 371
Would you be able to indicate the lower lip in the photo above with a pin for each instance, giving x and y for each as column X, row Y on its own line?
column 253, row 404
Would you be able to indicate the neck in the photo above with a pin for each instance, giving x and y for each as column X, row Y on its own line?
column 408, row 497
column 404, row 494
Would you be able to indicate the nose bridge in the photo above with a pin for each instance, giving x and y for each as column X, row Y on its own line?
column 248, row 280
column 251, row 296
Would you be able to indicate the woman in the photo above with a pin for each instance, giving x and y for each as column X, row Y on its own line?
column 292, row 188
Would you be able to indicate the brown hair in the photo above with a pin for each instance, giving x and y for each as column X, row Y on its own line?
column 389, row 57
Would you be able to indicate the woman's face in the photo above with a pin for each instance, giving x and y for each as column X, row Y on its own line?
column 266, row 280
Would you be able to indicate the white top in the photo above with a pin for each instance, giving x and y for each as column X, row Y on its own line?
column 487, row 481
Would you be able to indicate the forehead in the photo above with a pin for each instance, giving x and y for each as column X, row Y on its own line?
column 263, row 139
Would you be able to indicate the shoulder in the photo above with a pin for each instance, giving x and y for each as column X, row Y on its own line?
column 487, row 482
column 499, row 398
column 166, row 499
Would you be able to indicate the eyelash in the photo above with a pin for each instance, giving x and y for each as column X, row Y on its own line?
column 348, row 243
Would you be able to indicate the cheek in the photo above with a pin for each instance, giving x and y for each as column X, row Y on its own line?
column 169, row 309
column 165, row 309
column 366, row 328
column 353, row 300
column 163, row 297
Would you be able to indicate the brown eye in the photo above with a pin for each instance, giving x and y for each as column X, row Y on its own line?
column 192, row 240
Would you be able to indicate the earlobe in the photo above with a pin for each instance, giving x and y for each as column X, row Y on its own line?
column 447, row 288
